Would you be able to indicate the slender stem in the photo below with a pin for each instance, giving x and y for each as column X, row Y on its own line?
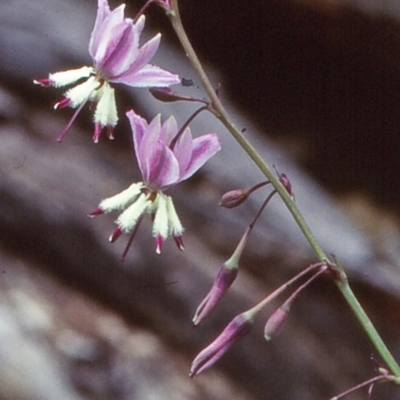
column 369, row 382
column 366, row 323
column 252, row 223
column 258, row 307
column 224, row 117
column 185, row 125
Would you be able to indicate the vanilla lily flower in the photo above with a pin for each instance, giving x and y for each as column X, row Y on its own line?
column 166, row 157
column 117, row 58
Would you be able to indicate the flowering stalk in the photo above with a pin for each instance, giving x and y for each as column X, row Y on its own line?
column 224, row 117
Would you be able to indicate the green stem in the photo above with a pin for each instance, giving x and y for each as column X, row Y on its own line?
column 224, row 117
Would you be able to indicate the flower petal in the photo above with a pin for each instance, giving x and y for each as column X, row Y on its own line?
column 142, row 57
column 127, row 52
column 139, row 127
column 183, row 150
column 103, row 10
column 148, row 76
column 161, row 167
column 148, row 143
column 169, row 130
column 204, row 147
column 119, row 59
column 112, row 30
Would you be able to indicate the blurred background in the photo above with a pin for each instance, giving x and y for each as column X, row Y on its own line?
column 315, row 85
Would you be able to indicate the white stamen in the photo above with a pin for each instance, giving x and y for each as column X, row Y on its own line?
column 123, row 199
column 106, row 110
column 128, row 219
column 160, row 224
column 174, row 223
column 81, row 93
column 64, row 78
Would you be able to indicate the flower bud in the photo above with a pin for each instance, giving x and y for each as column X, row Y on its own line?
column 234, row 331
column 284, row 180
column 286, row 183
column 276, row 322
column 223, row 281
column 167, row 95
column 233, row 198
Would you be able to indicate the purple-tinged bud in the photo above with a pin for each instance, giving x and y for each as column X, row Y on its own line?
column 168, row 95
column 234, row 331
column 276, row 322
column 233, row 198
column 286, row 183
column 223, row 281
column 283, row 178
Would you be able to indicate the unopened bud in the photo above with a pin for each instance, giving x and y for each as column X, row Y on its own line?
column 222, row 283
column 234, row 331
column 167, row 95
column 233, row 198
column 276, row 322
column 283, row 178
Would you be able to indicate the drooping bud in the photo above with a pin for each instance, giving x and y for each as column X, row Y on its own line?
column 233, row 198
column 223, row 281
column 168, row 95
column 276, row 322
column 234, row 331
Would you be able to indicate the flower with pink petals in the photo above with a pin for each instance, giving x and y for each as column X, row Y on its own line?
column 117, row 58
column 166, row 156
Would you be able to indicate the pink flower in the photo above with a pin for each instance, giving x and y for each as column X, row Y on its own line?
column 166, row 156
column 117, row 58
